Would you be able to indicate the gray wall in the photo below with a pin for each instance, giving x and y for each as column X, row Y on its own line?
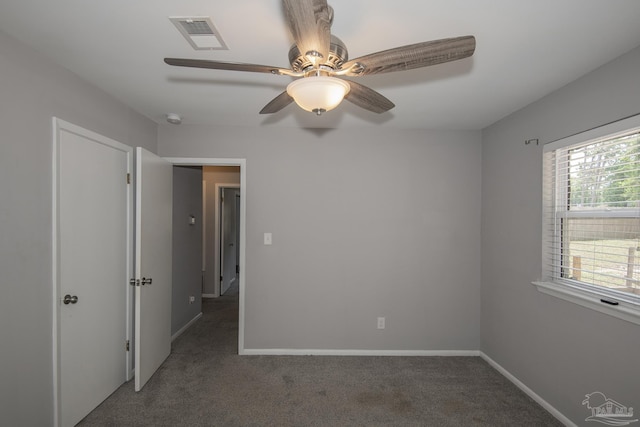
column 32, row 90
column 365, row 223
column 187, row 246
column 562, row 351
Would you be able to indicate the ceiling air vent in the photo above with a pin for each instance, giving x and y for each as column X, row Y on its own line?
column 199, row 32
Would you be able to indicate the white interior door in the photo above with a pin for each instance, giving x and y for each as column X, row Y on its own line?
column 92, row 208
column 154, row 205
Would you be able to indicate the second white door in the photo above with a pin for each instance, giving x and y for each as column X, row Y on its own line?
column 154, row 207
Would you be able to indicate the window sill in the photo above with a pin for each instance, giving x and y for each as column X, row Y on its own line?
column 624, row 310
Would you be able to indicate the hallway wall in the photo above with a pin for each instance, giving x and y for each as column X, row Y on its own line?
column 187, row 246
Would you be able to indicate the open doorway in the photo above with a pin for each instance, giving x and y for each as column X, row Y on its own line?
column 215, row 180
column 231, row 172
column 228, row 236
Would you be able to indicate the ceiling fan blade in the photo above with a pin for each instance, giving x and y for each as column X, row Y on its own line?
column 233, row 66
column 277, row 103
column 412, row 56
column 309, row 22
column 367, row 98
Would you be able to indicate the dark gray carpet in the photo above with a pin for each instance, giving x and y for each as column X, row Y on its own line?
column 205, row 383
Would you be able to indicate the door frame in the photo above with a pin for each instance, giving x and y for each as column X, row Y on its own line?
column 217, row 250
column 242, row 163
column 59, row 125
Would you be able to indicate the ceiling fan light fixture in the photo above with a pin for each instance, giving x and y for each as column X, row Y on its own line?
column 318, row 93
column 318, row 57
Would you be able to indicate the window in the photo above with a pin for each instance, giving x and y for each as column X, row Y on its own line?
column 591, row 218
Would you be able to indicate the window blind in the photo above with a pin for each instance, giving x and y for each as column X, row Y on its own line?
column 591, row 213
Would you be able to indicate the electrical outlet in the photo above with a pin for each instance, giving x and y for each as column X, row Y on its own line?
column 192, row 299
column 381, row 322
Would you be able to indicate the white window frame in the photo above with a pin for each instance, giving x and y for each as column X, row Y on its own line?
column 617, row 304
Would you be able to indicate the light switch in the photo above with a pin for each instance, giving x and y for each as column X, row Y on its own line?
column 267, row 238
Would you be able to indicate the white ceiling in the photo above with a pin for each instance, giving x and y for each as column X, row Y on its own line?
column 525, row 50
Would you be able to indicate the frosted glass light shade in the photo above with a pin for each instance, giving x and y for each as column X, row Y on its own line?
column 318, row 93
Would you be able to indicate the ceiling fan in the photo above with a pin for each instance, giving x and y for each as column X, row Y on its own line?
column 319, row 59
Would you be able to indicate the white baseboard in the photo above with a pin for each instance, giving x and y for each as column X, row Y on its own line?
column 209, row 296
column 546, row 405
column 185, row 327
column 322, row 352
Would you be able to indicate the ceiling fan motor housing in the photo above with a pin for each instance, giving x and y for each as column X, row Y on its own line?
column 338, row 55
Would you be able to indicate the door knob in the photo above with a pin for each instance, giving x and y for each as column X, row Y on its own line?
column 68, row 299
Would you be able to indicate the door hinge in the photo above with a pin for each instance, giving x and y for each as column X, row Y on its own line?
column 134, row 282
column 127, row 345
column 128, row 178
